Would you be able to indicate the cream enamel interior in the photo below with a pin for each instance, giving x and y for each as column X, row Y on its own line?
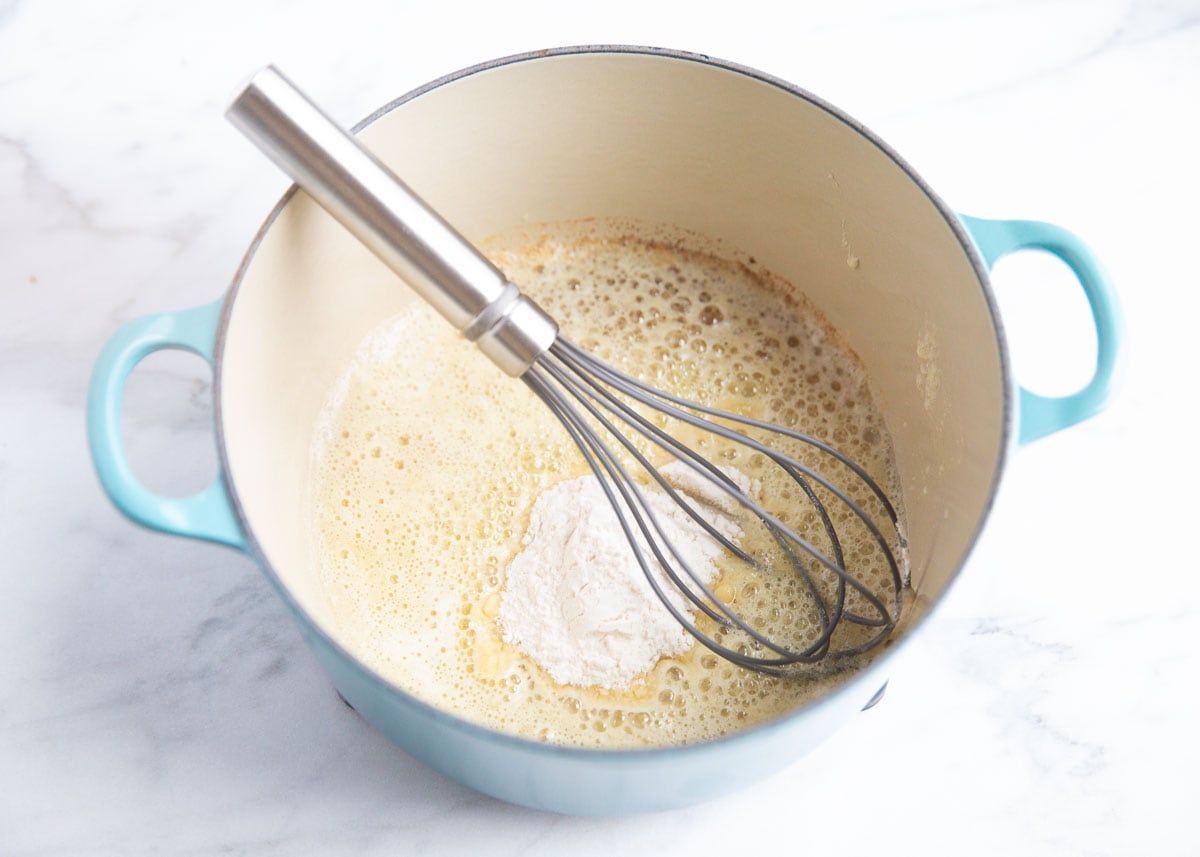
column 661, row 139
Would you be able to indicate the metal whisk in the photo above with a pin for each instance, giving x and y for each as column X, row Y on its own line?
column 605, row 411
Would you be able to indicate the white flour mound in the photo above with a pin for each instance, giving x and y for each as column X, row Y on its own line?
column 575, row 599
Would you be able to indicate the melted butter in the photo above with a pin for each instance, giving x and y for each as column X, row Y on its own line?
column 429, row 459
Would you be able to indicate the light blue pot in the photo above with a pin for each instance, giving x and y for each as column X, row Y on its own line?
column 718, row 148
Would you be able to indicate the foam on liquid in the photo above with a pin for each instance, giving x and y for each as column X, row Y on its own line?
column 429, row 459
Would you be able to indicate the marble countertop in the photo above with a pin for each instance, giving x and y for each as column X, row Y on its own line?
column 154, row 696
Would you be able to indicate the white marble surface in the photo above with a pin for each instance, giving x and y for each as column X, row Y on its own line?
column 154, row 697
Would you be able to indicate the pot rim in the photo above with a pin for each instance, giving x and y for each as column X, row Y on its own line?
column 867, row 675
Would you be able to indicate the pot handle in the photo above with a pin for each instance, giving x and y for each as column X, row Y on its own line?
column 1043, row 415
column 207, row 515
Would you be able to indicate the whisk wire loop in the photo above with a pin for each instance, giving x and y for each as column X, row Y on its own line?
column 587, row 392
column 568, row 379
column 592, row 369
column 607, row 467
column 612, row 476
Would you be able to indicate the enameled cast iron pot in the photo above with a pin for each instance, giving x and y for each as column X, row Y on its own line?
column 664, row 137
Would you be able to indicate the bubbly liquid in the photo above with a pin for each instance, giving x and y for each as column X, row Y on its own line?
column 429, row 459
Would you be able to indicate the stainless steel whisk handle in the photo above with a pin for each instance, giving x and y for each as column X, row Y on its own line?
column 392, row 221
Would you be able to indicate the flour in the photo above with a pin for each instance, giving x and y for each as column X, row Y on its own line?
column 576, row 600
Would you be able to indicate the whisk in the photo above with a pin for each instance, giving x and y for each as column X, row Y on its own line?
column 599, row 408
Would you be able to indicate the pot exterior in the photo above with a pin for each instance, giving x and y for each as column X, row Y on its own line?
column 950, row 465
column 582, row 782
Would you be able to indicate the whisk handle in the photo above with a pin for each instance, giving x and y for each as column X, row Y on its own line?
column 392, row 221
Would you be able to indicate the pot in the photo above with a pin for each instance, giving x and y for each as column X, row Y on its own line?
column 664, row 137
